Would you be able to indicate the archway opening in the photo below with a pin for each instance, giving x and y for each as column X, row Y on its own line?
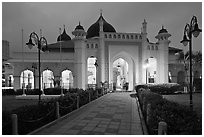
column 91, row 71
column 67, row 79
column 151, row 70
column 27, row 79
column 47, row 79
column 120, row 74
column 10, row 81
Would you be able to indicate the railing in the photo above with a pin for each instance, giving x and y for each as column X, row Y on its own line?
column 92, row 45
column 123, row 36
column 92, row 86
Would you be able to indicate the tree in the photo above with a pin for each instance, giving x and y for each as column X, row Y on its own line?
column 196, row 58
column 184, row 58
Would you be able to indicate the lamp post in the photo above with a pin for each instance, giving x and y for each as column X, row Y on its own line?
column 146, row 67
column 96, row 65
column 39, row 42
column 189, row 30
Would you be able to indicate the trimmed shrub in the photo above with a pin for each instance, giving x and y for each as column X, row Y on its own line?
column 55, row 91
column 179, row 118
column 163, row 89
column 20, row 92
column 8, row 92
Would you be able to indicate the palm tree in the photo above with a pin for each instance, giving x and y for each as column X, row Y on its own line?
column 184, row 58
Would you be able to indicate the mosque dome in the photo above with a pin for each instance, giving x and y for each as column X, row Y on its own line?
column 163, row 30
column 94, row 29
column 79, row 27
column 64, row 36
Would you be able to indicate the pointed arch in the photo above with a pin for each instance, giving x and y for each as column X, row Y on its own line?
column 47, row 79
column 131, row 68
column 67, row 79
column 27, row 79
column 92, row 71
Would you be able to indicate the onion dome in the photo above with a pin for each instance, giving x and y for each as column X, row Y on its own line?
column 79, row 32
column 94, row 29
column 163, row 30
column 64, row 36
column 163, row 34
column 79, row 27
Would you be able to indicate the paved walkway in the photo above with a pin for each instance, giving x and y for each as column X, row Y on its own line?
column 112, row 114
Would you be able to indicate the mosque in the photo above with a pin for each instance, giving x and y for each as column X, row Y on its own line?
column 100, row 55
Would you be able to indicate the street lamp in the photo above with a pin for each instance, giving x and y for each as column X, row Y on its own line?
column 39, row 42
column 189, row 30
column 146, row 67
column 96, row 65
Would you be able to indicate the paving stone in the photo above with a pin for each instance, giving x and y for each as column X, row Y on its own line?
column 104, row 122
column 137, row 132
column 71, row 132
column 91, row 125
column 115, row 123
column 88, row 118
column 60, row 130
column 125, row 127
column 111, row 130
column 115, row 120
column 94, row 122
column 109, row 133
column 102, row 125
column 96, row 133
column 99, row 129
column 77, row 127
column 88, row 128
column 113, row 126
column 124, row 132
column 82, row 132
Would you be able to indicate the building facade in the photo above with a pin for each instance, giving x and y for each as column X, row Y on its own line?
column 7, row 69
column 98, row 55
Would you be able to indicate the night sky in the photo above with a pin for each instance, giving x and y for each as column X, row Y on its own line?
column 124, row 17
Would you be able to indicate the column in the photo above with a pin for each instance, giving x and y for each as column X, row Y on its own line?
column 80, row 64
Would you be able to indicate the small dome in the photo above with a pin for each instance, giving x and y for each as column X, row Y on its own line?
column 64, row 36
column 163, row 30
column 94, row 29
column 79, row 27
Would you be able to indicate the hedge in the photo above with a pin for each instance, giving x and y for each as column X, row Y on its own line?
column 48, row 91
column 34, row 116
column 181, row 120
column 163, row 89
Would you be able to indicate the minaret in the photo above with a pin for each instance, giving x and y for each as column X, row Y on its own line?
column 144, row 27
column 145, row 53
column 80, row 66
column 163, row 54
column 101, row 51
column 101, row 21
